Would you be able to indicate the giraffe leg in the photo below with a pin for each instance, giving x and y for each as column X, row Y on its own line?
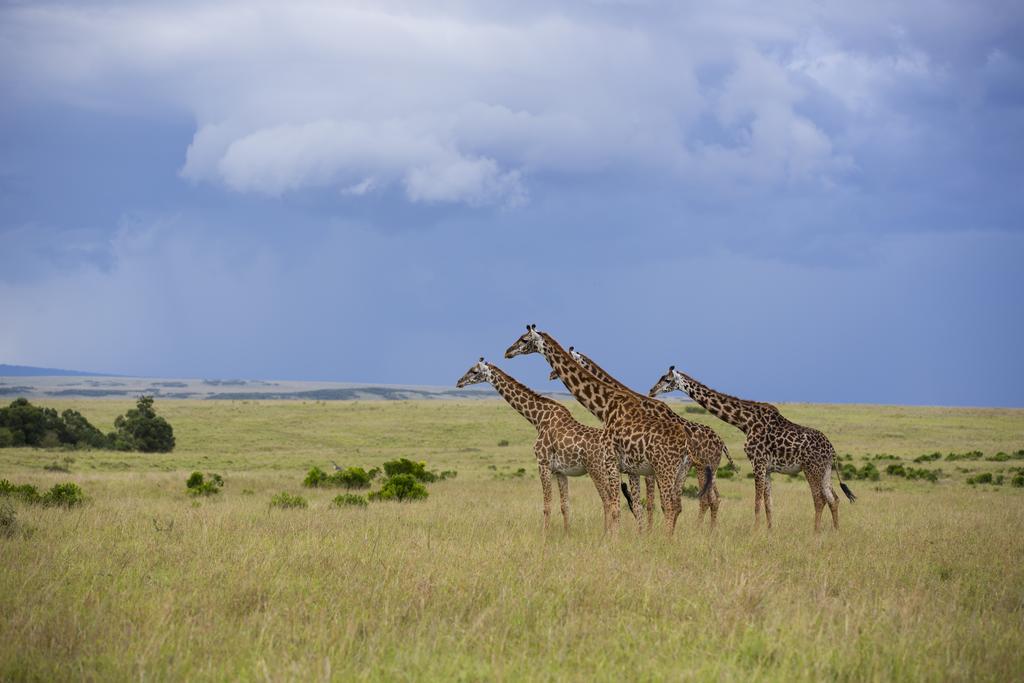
column 563, row 494
column 830, row 495
column 819, row 500
column 606, row 489
column 703, row 502
column 669, row 503
column 768, row 500
column 760, row 475
column 545, row 484
column 634, row 493
column 649, row 486
column 715, row 501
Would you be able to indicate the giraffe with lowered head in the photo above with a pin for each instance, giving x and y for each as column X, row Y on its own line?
column 564, row 447
column 709, row 445
column 647, row 443
column 774, row 444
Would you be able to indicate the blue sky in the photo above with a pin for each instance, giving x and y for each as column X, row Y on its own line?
column 791, row 201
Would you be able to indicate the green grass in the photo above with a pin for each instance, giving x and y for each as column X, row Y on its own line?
column 924, row 580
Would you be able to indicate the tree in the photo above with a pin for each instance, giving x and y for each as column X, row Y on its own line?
column 141, row 429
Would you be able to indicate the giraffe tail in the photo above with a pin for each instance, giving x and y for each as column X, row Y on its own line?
column 709, row 481
column 725, row 452
column 629, row 498
column 843, row 486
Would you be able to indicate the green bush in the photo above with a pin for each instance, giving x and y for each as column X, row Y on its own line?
column 930, row 457
column 141, row 429
column 983, row 478
column 696, row 410
column 869, row 471
column 6, row 437
column 885, row 456
column 350, row 499
column 314, row 478
column 405, row 466
column 1017, row 481
column 972, row 455
column 896, row 470
column 503, row 443
column 286, row 500
column 400, row 487
column 26, row 492
column 727, row 472
column 8, row 520
column 198, row 485
column 922, row 473
column 348, row 478
column 63, row 495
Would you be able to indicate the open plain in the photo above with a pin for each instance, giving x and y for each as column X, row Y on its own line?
column 924, row 581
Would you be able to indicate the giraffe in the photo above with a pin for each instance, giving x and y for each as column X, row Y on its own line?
column 564, row 447
column 646, row 443
column 708, row 442
column 774, row 444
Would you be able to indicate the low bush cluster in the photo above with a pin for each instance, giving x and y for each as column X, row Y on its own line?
column 1003, row 457
column 350, row 499
column 60, row 495
column 930, row 457
column 285, row 500
column 348, row 478
column 140, row 429
column 696, row 410
column 418, row 470
column 727, row 472
column 885, row 456
column 400, row 487
column 971, row 455
column 914, row 473
column 868, row 471
column 198, row 485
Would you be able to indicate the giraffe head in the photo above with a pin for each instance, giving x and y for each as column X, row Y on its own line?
column 531, row 342
column 575, row 356
column 480, row 372
column 672, row 380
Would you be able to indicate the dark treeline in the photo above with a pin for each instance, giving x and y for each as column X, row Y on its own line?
column 139, row 429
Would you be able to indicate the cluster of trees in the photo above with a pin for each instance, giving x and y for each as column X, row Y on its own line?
column 139, row 429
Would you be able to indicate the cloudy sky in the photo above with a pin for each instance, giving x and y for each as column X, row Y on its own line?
column 817, row 201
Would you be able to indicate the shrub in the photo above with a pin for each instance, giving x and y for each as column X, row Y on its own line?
column 503, row 443
column 400, row 487
column 286, row 500
column 929, row 457
column 198, row 485
column 350, row 478
column 983, row 478
column 26, row 492
column 448, row 474
column 869, row 471
column 315, row 477
column 23, row 424
column 6, row 437
column 405, row 466
column 696, row 410
column 350, row 499
column 141, row 429
column 922, row 473
column 972, row 455
column 374, row 472
column 885, row 456
column 727, row 472
column 896, row 470
column 63, row 495
column 8, row 520
column 1017, row 481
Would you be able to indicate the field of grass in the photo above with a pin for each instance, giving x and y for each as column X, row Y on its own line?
column 924, row 581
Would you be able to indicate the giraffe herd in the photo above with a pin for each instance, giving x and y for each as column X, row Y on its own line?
column 644, row 437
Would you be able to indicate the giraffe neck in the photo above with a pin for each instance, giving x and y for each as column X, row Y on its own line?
column 592, row 393
column 600, row 373
column 736, row 411
column 525, row 401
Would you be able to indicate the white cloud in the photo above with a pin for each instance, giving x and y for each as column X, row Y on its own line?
column 464, row 102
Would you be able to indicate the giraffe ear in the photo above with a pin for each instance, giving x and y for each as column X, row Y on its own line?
column 533, row 326
column 671, row 368
column 481, row 359
column 572, row 348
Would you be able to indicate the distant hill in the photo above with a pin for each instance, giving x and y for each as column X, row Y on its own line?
column 29, row 371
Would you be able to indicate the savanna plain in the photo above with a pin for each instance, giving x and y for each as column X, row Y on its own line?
column 923, row 581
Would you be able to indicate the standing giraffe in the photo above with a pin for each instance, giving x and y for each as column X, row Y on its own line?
column 774, row 444
column 646, row 443
column 564, row 447
column 709, row 444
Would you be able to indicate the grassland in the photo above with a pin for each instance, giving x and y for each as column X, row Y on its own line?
column 923, row 582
